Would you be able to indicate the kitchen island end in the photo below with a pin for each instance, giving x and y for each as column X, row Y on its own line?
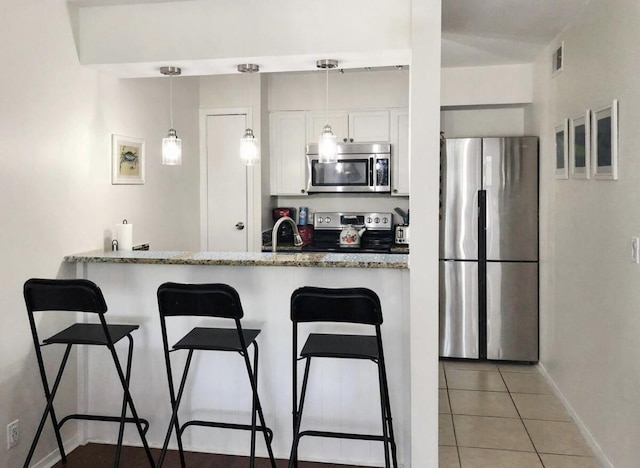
column 342, row 395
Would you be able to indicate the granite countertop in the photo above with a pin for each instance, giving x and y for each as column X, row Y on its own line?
column 329, row 260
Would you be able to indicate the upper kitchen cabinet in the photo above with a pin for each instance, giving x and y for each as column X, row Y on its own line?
column 400, row 155
column 339, row 121
column 352, row 126
column 287, row 160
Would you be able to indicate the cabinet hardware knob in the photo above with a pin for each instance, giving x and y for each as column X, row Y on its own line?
column 240, row 226
column 344, row 139
column 351, row 140
column 302, row 191
column 395, row 190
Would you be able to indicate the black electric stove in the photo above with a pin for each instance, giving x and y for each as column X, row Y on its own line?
column 377, row 238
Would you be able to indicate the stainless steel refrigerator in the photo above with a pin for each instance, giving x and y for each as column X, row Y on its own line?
column 489, row 249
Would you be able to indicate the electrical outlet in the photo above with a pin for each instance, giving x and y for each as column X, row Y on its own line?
column 13, row 433
column 635, row 249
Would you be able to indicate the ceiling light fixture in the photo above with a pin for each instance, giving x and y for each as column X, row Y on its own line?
column 327, row 143
column 249, row 150
column 171, row 145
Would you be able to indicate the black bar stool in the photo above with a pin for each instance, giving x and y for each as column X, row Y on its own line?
column 80, row 296
column 209, row 300
column 346, row 305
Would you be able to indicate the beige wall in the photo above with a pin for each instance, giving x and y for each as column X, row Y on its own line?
column 589, row 287
column 56, row 121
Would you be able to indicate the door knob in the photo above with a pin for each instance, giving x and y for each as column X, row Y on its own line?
column 240, row 226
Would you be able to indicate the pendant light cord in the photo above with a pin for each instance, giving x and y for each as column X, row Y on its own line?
column 171, row 100
column 326, row 94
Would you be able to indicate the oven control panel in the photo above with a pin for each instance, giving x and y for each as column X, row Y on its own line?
column 337, row 220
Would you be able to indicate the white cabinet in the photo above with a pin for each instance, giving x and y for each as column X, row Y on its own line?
column 287, row 158
column 352, row 126
column 369, row 126
column 291, row 131
column 316, row 121
column 400, row 152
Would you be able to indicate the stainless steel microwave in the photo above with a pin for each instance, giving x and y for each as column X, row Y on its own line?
column 359, row 168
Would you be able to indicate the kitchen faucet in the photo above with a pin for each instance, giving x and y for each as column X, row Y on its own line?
column 297, row 240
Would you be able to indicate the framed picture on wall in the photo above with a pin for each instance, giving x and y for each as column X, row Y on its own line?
column 580, row 146
column 604, row 142
column 127, row 160
column 562, row 150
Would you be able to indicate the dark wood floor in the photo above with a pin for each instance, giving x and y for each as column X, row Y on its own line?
column 101, row 456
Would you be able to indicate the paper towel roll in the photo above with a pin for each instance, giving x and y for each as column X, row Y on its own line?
column 124, row 232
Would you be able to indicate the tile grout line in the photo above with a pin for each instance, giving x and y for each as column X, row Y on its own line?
column 521, row 419
column 455, row 437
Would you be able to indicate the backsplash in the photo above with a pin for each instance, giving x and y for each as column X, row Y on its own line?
column 345, row 202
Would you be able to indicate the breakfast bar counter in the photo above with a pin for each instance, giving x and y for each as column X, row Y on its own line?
column 300, row 259
column 342, row 394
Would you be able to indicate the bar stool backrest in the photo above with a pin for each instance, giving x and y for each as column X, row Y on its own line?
column 202, row 300
column 351, row 305
column 74, row 295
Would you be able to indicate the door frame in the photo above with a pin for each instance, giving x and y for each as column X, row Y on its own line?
column 254, row 241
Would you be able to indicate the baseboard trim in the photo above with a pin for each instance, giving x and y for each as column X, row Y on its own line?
column 54, row 457
column 597, row 450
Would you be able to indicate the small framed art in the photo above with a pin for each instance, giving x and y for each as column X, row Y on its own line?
column 562, row 150
column 604, row 142
column 580, row 146
column 127, row 160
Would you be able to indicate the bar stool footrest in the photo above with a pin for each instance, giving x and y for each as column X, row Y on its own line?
column 98, row 417
column 222, row 425
column 343, row 435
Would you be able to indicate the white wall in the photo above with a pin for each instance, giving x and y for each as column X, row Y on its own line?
column 482, row 121
column 493, row 85
column 225, row 29
column 55, row 129
column 349, row 90
column 589, row 288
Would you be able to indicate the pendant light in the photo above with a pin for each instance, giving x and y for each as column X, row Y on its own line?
column 327, row 143
column 171, row 145
column 249, row 150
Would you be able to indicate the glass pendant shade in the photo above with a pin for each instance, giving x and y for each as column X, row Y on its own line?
column 327, row 145
column 249, row 151
column 172, row 149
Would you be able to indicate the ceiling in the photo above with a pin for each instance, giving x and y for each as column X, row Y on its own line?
column 498, row 32
column 479, row 32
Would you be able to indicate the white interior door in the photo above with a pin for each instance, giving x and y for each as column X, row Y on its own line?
column 227, row 220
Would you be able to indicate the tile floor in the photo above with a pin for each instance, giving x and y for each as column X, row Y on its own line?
column 505, row 416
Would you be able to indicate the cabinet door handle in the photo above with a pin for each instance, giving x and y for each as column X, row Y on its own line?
column 240, row 226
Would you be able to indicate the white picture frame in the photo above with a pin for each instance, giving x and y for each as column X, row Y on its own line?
column 580, row 146
column 127, row 160
column 561, row 138
column 604, row 142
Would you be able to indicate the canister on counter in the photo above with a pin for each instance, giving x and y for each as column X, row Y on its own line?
column 302, row 215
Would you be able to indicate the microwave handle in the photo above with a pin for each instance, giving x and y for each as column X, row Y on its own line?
column 371, row 166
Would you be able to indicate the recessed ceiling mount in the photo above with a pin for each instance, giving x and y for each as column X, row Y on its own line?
column 327, row 64
column 171, row 71
column 248, row 68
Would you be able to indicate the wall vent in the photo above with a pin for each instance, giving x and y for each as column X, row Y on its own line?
column 558, row 60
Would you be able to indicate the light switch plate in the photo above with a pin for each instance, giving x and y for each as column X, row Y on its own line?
column 635, row 250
